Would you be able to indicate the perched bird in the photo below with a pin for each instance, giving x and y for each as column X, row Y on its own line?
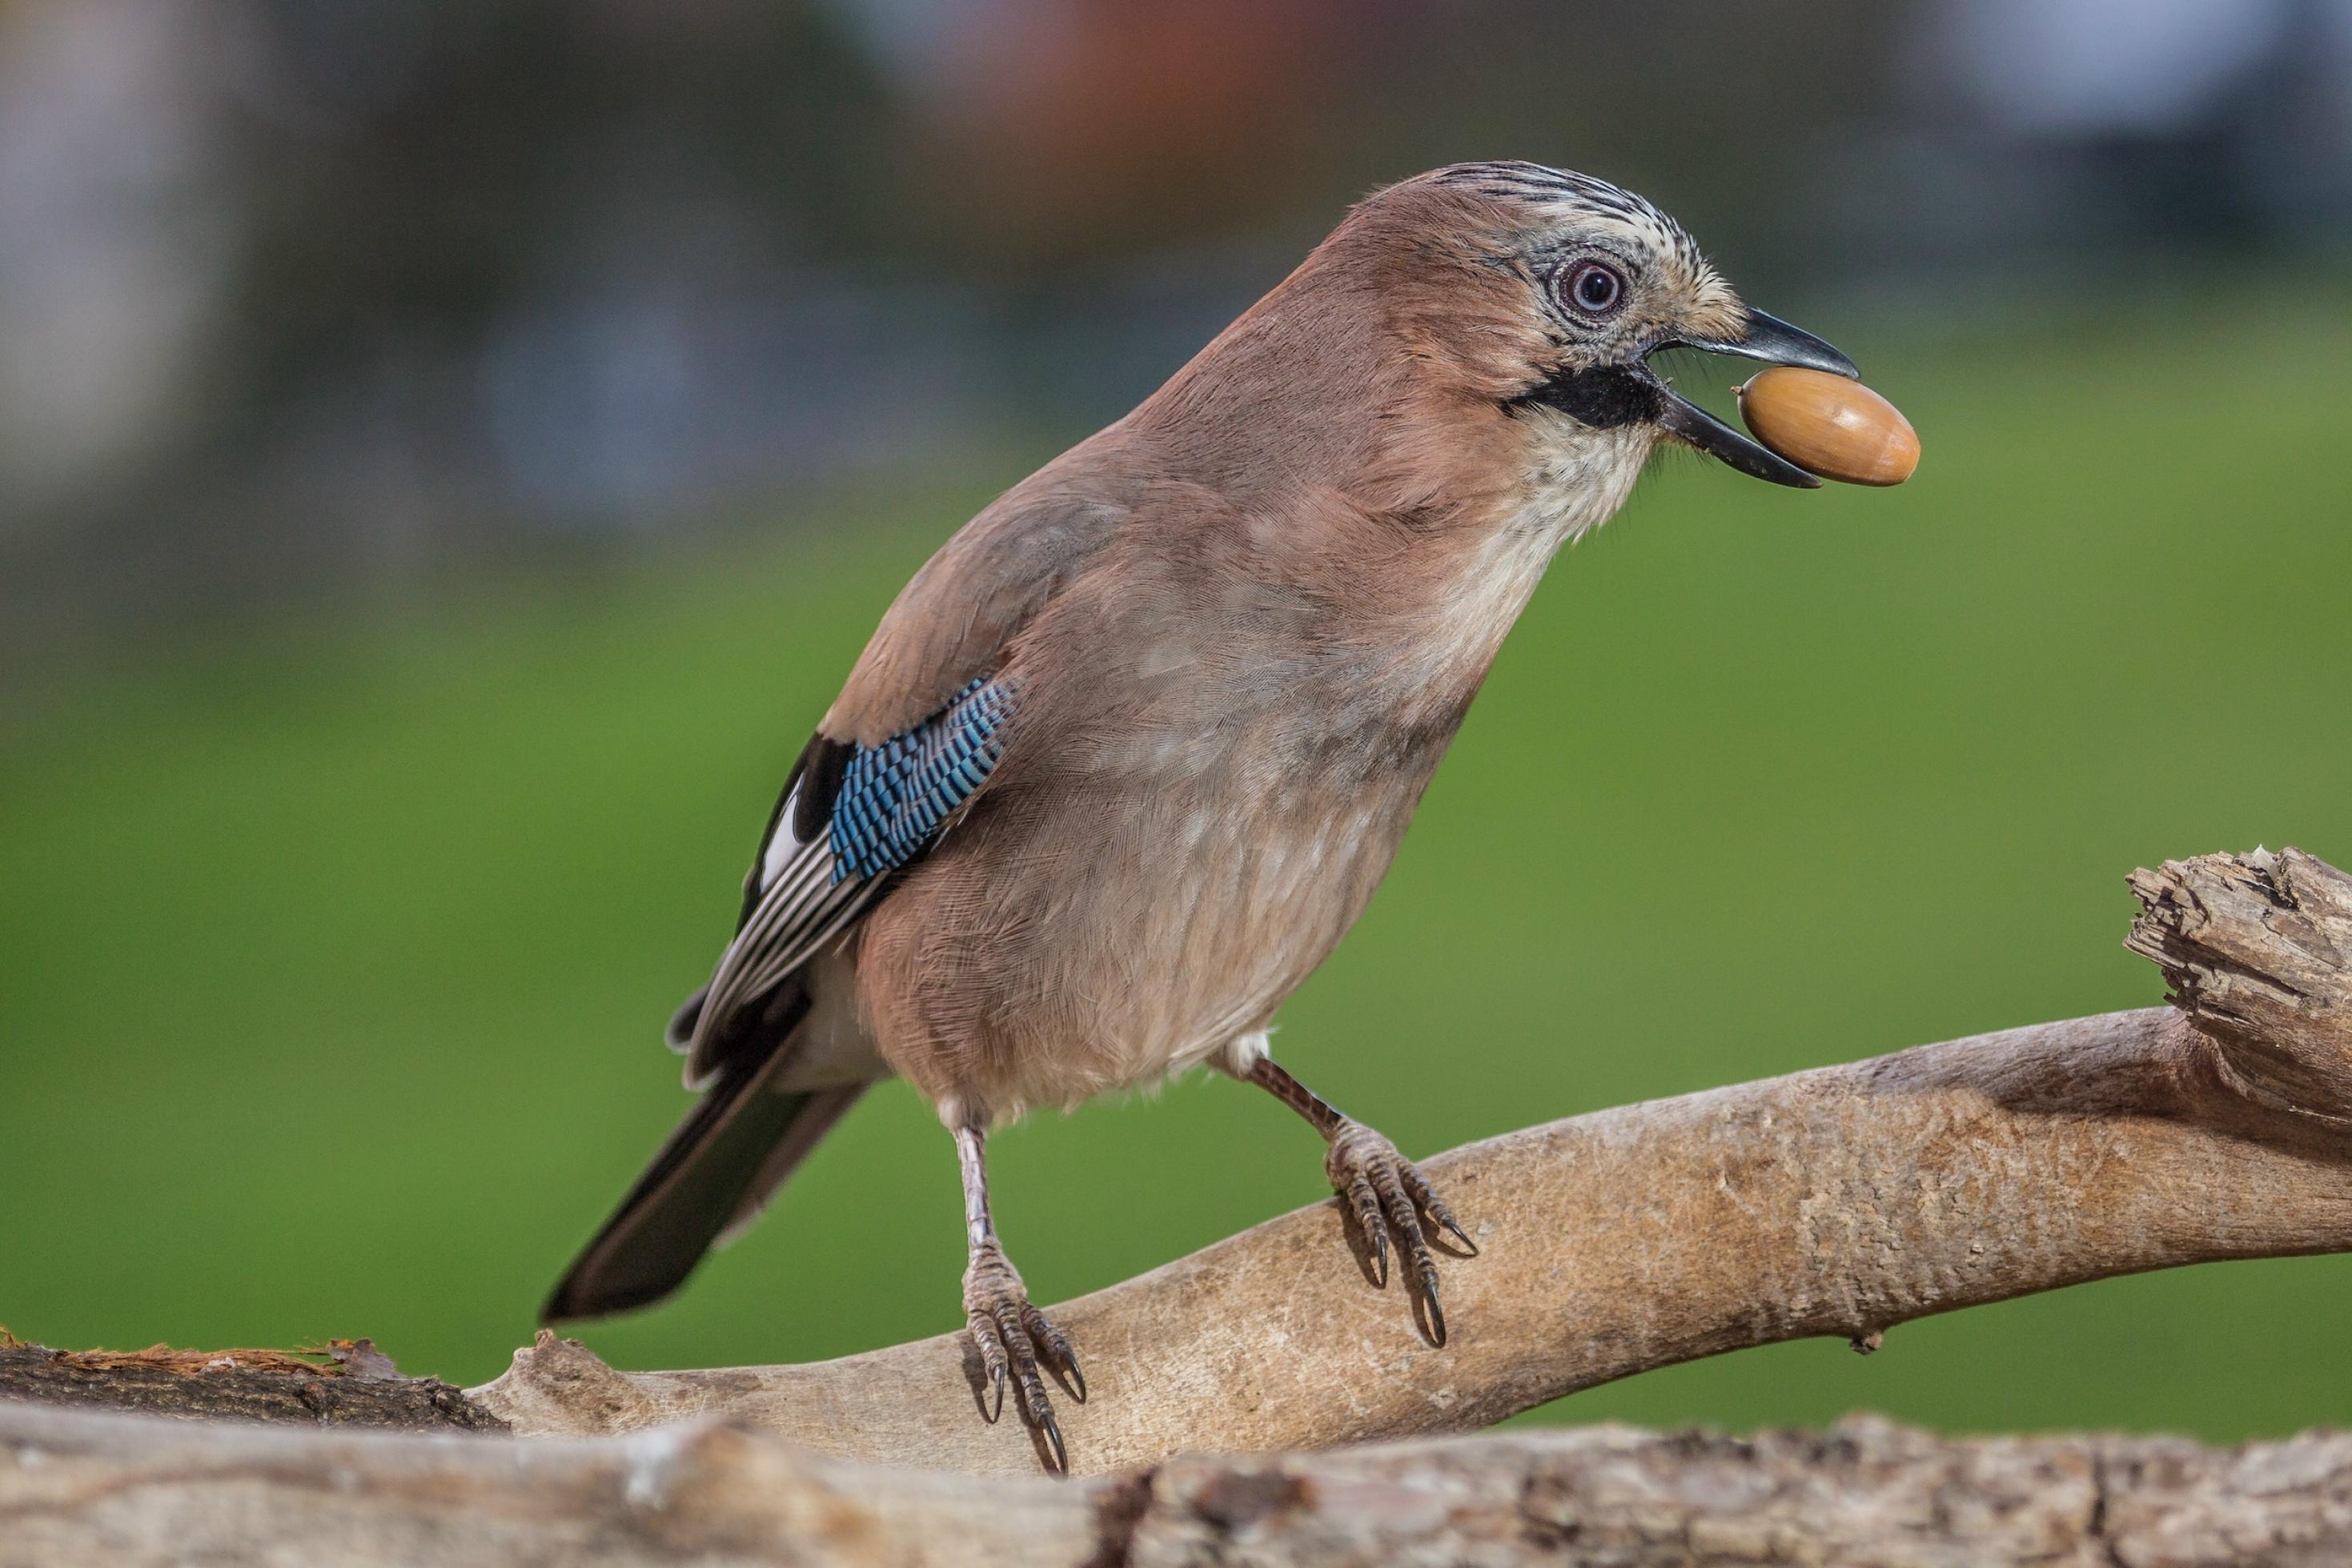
column 1128, row 757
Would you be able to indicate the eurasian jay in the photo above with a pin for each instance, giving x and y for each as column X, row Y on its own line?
column 1128, row 757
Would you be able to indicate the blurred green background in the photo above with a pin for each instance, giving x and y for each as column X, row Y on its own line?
column 450, row 455
column 338, row 946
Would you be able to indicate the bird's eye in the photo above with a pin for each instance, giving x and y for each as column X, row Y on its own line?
column 1592, row 288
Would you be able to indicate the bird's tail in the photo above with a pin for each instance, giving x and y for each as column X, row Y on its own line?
column 716, row 1171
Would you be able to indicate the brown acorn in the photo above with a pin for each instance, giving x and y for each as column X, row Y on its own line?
column 1830, row 425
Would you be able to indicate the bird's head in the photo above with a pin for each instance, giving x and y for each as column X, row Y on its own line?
column 1547, row 293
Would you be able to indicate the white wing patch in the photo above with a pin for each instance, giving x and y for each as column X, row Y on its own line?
column 781, row 846
column 802, row 907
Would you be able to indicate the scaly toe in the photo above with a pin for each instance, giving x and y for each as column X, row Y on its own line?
column 1055, row 1353
column 1388, row 1198
column 993, row 1365
column 1425, row 1198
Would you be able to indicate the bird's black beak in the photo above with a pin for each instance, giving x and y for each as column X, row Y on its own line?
column 1774, row 341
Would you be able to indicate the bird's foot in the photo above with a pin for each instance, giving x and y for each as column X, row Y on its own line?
column 1014, row 1340
column 1387, row 1196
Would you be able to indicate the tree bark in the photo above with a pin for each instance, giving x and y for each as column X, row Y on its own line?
column 351, row 1384
column 1840, row 1201
column 79, row 1489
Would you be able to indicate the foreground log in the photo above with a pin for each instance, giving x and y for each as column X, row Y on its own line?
column 1841, row 1201
column 80, row 1489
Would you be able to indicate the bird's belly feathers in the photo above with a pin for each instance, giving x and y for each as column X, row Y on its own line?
column 1129, row 932
column 1257, row 898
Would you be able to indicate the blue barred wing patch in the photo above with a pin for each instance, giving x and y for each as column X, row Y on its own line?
column 895, row 796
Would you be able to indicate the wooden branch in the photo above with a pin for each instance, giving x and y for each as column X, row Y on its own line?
column 1841, row 1201
column 79, row 1489
column 349, row 1383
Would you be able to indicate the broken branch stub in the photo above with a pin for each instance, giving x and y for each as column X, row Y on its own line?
column 2257, row 950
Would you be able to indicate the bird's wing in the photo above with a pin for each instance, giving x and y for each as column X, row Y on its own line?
column 919, row 725
column 956, row 617
column 850, row 816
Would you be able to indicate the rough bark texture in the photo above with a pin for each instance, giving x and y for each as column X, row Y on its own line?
column 1840, row 1201
column 2257, row 951
column 359, row 1387
column 78, row 1489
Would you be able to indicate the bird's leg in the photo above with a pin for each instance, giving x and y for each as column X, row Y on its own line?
column 1383, row 1190
column 1014, row 1337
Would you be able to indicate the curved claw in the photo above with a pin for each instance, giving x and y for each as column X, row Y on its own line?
column 1053, row 1431
column 988, row 1390
column 1054, row 1353
column 1425, row 1197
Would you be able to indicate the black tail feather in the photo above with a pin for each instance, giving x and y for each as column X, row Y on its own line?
column 703, row 1176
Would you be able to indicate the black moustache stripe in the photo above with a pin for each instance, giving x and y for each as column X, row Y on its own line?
column 1603, row 397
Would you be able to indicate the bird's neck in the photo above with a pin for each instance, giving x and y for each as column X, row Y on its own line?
column 1449, row 617
column 1297, row 394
